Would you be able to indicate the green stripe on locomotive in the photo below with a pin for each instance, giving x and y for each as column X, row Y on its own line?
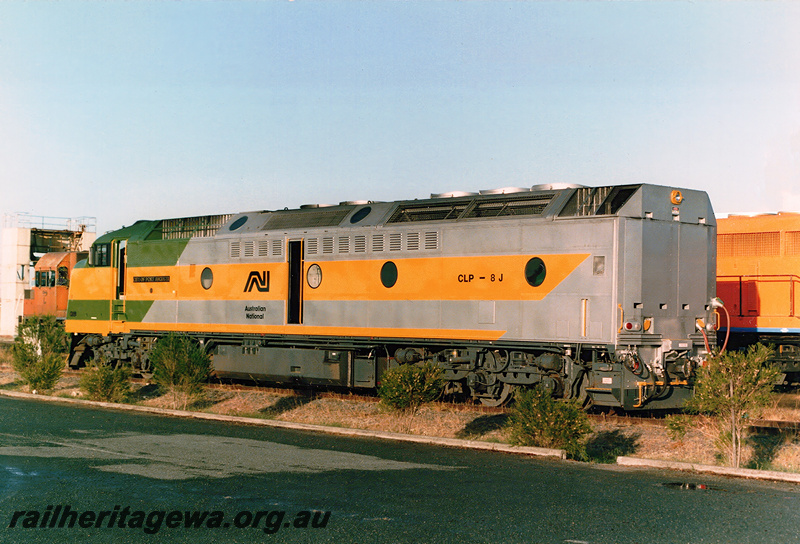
column 135, row 310
column 155, row 253
column 89, row 309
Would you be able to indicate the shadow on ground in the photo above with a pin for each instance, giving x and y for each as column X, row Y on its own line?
column 287, row 404
column 145, row 392
column 481, row 426
column 606, row 446
column 765, row 448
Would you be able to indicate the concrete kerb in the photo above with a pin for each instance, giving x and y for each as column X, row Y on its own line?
column 431, row 440
column 710, row 469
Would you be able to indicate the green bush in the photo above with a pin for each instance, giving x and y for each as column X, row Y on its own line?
column 106, row 383
column 39, row 352
column 678, row 425
column 180, row 365
column 5, row 355
column 407, row 387
column 734, row 387
column 537, row 419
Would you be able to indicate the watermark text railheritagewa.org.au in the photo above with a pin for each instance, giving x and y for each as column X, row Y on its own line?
column 63, row 516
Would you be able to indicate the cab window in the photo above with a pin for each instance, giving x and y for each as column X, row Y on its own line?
column 63, row 276
column 100, row 255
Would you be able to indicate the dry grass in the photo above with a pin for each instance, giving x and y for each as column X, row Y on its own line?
column 785, row 407
column 642, row 438
column 647, row 438
column 787, row 456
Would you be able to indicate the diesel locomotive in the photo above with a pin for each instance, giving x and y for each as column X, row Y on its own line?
column 758, row 277
column 601, row 294
column 49, row 292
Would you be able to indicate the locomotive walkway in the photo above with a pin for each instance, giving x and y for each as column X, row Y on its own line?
column 401, row 437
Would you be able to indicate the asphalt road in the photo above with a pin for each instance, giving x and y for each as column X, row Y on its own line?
column 74, row 474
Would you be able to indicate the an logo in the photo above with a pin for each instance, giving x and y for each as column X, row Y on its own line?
column 259, row 280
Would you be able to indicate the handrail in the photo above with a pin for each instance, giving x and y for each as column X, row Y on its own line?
column 790, row 279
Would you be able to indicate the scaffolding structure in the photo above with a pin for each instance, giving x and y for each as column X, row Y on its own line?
column 25, row 238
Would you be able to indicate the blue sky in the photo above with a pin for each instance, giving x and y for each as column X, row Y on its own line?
column 130, row 110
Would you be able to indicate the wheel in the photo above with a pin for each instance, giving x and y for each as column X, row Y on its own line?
column 494, row 362
column 503, row 397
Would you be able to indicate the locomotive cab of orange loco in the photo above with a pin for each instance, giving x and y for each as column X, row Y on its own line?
column 49, row 293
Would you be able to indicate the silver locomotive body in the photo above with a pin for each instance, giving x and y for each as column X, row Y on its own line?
column 599, row 294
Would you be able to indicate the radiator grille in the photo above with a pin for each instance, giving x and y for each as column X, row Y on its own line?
column 793, row 242
column 749, row 244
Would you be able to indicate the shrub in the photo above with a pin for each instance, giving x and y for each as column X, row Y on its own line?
column 733, row 387
column 5, row 355
column 106, row 383
column 39, row 350
column 407, row 387
column 180, row 365
column 678, row 425
column 537, row 419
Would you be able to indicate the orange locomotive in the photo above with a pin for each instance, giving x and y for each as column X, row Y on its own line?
column 758, row 278
column 49, row 294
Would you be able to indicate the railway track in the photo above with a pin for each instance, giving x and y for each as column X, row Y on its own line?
column 776, row 425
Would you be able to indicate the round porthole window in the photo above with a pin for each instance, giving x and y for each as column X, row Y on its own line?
column 314, row 276
column 389, row 274
column 535, row 272
column 206, row 278
column 238, row 223
column 360, row 215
